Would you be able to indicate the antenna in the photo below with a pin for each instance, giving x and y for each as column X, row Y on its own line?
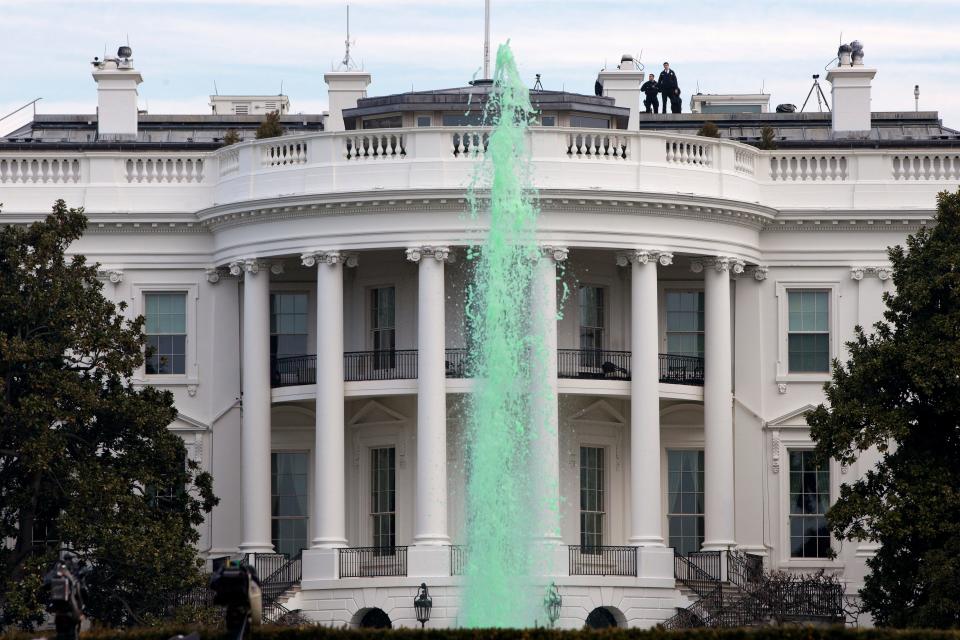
column 281, row 87
column 347, row 64
column 216, row 92
column 486, row 40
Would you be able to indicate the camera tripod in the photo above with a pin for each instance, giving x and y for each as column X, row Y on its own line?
column 820, row 95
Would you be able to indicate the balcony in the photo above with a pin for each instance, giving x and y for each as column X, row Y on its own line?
column 373, row 562
column 603, row 561
column 582, row 364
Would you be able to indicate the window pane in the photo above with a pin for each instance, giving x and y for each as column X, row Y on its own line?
column 165, row 329
column 809, row 501
column 591, row 496
column 288, row 486
column 685, row 501
column 809, row 352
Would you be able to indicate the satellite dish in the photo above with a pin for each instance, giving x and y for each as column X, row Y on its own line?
column 124, row 52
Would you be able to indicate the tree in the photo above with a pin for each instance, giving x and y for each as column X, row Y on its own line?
column 86, row 458
column 270, row 127
column 232, row 136
column 900, row 393
column 709, row 130
column 768, row 138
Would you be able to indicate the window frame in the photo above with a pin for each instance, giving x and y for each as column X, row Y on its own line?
column 309, row 510
column 668, row 288
column 138, row 307
column 789, row 450
column 307, row 313
column 783, row 287
column 666, row 488
column 605, row 309
column 369, row 340
column 371, row 514
column 604, row 490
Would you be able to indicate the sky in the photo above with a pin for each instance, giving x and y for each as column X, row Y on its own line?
column 183, row 47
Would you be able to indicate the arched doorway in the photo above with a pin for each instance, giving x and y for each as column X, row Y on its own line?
column 375, row 619
column 601, row 618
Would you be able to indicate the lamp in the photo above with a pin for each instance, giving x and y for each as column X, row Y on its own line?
column 422, row 604
column 552, row 603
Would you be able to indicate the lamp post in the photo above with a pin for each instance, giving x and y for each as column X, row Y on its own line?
column 422, row 604
column 552, row 603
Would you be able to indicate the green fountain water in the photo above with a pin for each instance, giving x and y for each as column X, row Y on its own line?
column 506, row 490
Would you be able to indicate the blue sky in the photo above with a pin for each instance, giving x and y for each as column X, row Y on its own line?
column 250, row 46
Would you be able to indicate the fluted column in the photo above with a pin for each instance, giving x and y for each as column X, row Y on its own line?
column 255, row 438
column 646, row 528
column 719, row 529
column 430, row 523
column 329, row 492
column 546, row 444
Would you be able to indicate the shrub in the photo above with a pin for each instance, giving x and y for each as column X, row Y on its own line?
column 768, row 138
column 270, row 127
column 709, row 130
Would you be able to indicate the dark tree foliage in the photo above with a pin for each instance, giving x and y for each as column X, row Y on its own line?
column 87, row 462
column 232, row 136
column 768, row 138
column 709, row 130
column 900, row 392
column 270, row 127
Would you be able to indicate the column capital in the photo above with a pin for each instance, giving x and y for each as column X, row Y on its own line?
column 554, row 252
column 213, row 275
column 114, row 276
column 438, row 253
column 857, row 273
column 246, row 265
column 644, row 256
column 760, row 272
column 720, row 263
column 313, row 258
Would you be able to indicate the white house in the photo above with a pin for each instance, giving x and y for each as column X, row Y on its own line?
column 305, row 296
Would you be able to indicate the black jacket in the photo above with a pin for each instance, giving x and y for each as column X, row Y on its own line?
column 650, row 88
column 668, row 81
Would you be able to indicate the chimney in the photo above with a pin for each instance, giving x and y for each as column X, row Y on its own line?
column 851, row 92
column 623, row 85
column 344, row 88
column 117, row 82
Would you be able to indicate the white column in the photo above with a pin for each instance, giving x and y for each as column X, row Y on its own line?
column 645, row 491
column 718, row 405
column 329, row 488
column 255, row 439
column 430, row 524
column 545, row 394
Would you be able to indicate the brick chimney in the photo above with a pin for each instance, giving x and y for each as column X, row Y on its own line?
column 117, row 82
column 851, row 92
column 623, row 85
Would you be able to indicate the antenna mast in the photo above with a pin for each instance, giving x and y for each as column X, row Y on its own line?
column 486, row 40
column 347, row 62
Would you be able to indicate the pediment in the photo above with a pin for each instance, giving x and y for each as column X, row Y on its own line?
column 796, row 419
column 374, row 412
column 184, row 422
column 599, row 412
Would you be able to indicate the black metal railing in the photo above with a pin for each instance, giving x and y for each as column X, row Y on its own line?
column 602, row 561
column 373, row 562
column 593, row 364
column 699, row 570
column 681, row 369
column 458, row 560
column 804, row 602
column 457, row 363
column 399, row 364
column 283, row 578
column 745, row 570
column 293, row 370
column 266, row 563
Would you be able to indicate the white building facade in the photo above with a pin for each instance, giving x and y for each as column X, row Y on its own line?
column 305, row 298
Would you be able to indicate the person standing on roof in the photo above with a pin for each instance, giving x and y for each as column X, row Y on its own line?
column 650, row 89
column 669, row 88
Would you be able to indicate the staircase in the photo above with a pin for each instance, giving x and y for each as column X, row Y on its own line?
column 724, row 586
column 279, row 582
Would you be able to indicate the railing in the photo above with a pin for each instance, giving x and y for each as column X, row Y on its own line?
column 745, row 161
column 744, row 570
column 808, row 168
column 593, row 364
column 283, row 153
column 590, row 364
column 700, row 571
column 470, row 143
column 458, row 559
column 53, row 170
column 602, row 561
column 373, row 562
column 374, row 146
column 681, row 369
column 164, row 170
column 598, row 145
column 380, row 365
column 229, row 162
column 457, row 363
column 804, row 601
column 275, row 584
column 689, row 153
column 266, row 563
column 928, row 166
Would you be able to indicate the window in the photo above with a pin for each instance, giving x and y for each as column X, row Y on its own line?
column 469, row 119
column 808, row 332
column 383, row 498
column 591, row 498
column 288, row 489
column 288, row 324
column 809, row 501
column 386, row 122
column 548, row 121
column 685, row 500
column 685, row 323
column 166, row 333
column 423, row 121
column 589, row 122
column 382, row 326
column 592, row 322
